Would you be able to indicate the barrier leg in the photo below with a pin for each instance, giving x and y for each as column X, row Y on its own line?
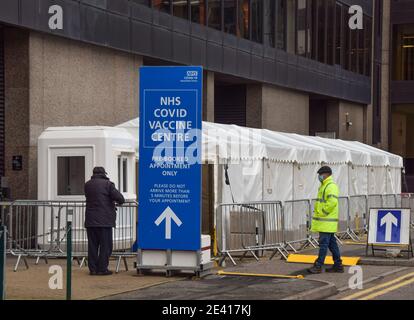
column 225, row 255
column 69, row 261
column 314, row 243
column 2, row 262
column 282, row 253
column 339, row 240
column 16, row 266
column 118, row 262
column 292, row 247
column 125, row 263
column 254, row 255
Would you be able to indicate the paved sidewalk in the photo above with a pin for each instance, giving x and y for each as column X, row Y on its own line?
column 34, row 282
column 253, row 288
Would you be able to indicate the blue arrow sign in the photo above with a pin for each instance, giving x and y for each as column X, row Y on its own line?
column 389, row 226
column 170, row 158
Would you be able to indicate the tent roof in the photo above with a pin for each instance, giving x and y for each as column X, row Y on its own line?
column 231, row 142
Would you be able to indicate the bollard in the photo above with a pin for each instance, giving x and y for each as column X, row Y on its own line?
column 3, row 231
column 69, row 257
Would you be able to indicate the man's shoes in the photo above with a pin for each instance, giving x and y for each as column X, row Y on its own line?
column 92, row 273
column 336, row 269
column 316, row 269
column 105, row 273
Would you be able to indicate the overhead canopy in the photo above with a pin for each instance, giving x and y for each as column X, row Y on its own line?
column 235, row 143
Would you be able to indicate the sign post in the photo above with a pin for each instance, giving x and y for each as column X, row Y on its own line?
column 389, row 227
column 169, row 162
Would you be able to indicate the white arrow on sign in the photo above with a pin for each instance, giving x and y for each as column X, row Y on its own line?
column 389, row 220
column 168, row 215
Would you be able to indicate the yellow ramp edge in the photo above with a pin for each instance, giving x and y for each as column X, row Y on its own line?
column 302, row 258
column 224, row 273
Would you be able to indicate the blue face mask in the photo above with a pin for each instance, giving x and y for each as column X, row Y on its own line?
column 321, row 178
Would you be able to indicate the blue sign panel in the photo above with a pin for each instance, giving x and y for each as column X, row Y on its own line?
column 170, row 158
column 389, row 226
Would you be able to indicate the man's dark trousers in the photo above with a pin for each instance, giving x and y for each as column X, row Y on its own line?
column 328, row 241
column 99, row 248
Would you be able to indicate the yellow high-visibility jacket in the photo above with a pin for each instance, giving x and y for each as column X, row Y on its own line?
column 326, row 211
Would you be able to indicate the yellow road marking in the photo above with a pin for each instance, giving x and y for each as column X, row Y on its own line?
column 380, row 286
column 387, row 290
column 223, row 273
column 310, row 259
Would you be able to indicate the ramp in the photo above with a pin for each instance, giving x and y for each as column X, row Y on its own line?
column 310, row 259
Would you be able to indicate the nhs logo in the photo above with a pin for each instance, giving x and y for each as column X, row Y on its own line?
column 192, row 73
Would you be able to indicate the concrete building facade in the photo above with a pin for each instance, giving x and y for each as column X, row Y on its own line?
column 282, row 65
column 398, row 82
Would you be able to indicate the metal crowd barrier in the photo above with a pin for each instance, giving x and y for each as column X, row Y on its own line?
column 37, row 229
column 250, row 228
column 406, row 200
column 297, row 217
column 358, row 216
column 282, row 227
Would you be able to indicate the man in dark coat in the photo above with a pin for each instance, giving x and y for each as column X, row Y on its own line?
column 101, row 196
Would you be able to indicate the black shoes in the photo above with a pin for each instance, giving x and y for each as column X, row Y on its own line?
column 316, row 269
column 336, row 269
column 105, row 273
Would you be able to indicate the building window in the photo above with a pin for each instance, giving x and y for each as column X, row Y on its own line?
column 404, row 52
column 314, row 29
column 354, row 50
column 368, row 45
column 281, row 12
column 214, row 14
column 270, row 26
column 162, row 5
column 361, row 51
column 301, row 27
column 330, row 31
column 408, row 57
column 243, row 19
column 143, row 2
column 321, row 7
column 123, row 174
column 198, row 11
column 257, row 20
column 346, row 40
column 230, row 16
column 180, row 8
column 70, row 176
column 338, row 34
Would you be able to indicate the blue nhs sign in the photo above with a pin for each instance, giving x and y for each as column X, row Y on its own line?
column 170, row 158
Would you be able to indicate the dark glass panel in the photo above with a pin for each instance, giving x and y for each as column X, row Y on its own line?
column 214, row 14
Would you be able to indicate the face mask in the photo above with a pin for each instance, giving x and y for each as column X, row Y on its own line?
column 321, row 178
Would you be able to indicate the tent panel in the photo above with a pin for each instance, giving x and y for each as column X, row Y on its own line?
column 277, row 181
column 358, row 180
column 306, row 182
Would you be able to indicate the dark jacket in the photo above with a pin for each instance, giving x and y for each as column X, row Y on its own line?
column 101, row 196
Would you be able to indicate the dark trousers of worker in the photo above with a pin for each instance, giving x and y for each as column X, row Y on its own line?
column 99, row 248
column 328, row 241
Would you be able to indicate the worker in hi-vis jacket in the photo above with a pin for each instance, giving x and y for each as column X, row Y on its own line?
column 325, row 221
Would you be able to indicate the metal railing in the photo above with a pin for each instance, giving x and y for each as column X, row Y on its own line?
column 37, row 229
column 297, row 217
column 252, row 228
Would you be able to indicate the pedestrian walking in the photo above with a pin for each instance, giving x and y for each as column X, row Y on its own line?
column 325, row 221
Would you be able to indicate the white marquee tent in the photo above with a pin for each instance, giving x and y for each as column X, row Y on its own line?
column 268, row 165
